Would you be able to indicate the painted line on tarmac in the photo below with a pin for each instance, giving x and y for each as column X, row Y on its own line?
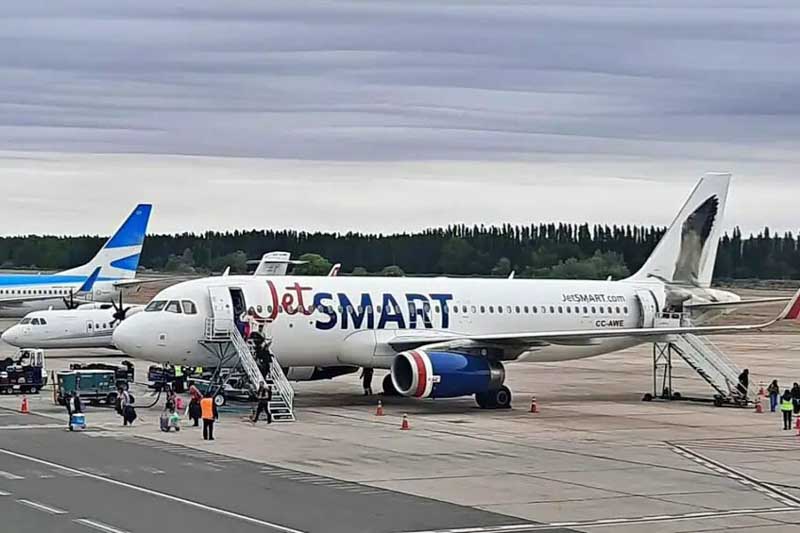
column 42, row 507
column 4, row 493
column 151, row 492
column 740, row 477
column 16, row 427
column 99, row 526
column 9, row 476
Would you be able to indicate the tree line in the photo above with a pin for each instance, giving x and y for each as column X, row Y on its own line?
column 541, row 251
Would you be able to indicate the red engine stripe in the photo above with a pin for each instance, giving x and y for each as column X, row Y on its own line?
column 422, row 374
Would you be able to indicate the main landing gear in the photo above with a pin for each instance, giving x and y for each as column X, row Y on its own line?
column 388, row 386
column 494, row 399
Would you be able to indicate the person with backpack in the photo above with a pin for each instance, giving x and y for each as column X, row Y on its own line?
column 126, row 407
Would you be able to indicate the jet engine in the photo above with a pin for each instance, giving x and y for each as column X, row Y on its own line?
column 424, row 374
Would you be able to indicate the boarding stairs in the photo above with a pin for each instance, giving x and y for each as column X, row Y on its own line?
column 712, row 364
column 282, row 404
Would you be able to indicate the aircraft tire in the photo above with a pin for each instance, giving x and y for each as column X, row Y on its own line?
column 219, row 400
column 501, row 398
column 388, row 386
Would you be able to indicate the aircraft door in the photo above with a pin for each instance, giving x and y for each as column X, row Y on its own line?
column 648, row 309
column 221, row 308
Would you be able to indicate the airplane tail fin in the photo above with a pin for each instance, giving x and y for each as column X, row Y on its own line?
column 688, row 250
column 119, row 256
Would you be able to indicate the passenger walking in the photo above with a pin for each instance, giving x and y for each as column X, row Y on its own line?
column 171, row 397
column 126, row 407
column 366, row 380
column 69, row 405
column 210, row 415
column 744, row 382
column 774, row 391
column 194, row 404
column 796, row 398
column 786, row 409
column 264, row 396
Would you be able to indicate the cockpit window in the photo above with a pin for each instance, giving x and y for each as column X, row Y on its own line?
column 35, row 322
column 174, row 307
column 155, row 305
column 25, row 321
column 189, row 308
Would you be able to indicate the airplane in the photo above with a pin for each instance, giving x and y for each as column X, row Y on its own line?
column 102, row 279
column 87, row 326
column 451, row 337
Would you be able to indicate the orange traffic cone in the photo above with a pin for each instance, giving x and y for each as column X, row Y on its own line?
column 759, row 406
column 534, row 407
column 24, row 409
column 379, row 411
column 405, row 425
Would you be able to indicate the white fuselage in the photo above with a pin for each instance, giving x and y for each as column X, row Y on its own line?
column 85, row 327
column 328, row 321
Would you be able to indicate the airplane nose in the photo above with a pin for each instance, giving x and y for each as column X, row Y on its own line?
column 127, row 336
column 9, row 336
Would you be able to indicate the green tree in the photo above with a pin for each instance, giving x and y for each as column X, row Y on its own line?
column 315, row 265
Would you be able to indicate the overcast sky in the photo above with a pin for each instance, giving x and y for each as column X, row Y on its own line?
column 387, row 116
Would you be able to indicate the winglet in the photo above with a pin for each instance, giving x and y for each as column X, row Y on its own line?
column 89, row 283
column 792, row 311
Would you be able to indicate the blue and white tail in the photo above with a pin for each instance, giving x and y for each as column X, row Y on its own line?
column 687, row 252
column 119, row 256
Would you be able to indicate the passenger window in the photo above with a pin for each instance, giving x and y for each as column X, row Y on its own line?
column 89, row 325
column 569, row 309
column 378, row 309
column 499, row 308
column 617, row 310
column 552, row 309
column 474, row 310
column 483, row 309
column 104, row 326
column 517, row 309
column 626, row 310
column 455, row 309
column 156, row 305
column 594, row 310
column 189, row 308
column 491, row 309
column 534, row 309
column 526, row 309
column 560, row 310
column 173, row 307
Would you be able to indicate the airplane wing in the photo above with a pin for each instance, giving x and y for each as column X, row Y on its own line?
column 583, row 337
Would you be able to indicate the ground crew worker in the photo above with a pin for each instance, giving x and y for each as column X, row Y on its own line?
column 179, row 379
column 264, row 396
column 208, row 410
column 786, row 409
column 68, row 404
column 366, row 380
column 774, row 391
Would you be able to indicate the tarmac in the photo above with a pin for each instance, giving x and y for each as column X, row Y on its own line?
column 595, row 458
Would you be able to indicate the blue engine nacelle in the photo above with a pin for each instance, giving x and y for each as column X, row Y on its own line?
column 422, row 374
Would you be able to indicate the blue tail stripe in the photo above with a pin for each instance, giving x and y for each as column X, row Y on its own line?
column 127, row 263
column 89, row 283
column 133, row 230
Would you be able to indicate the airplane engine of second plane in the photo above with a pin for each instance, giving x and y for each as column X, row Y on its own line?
column 431, row 374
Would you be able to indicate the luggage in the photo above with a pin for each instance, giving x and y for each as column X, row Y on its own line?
column 179, row 404
column 163, row 422
column 77, row 422
column 175, row 421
